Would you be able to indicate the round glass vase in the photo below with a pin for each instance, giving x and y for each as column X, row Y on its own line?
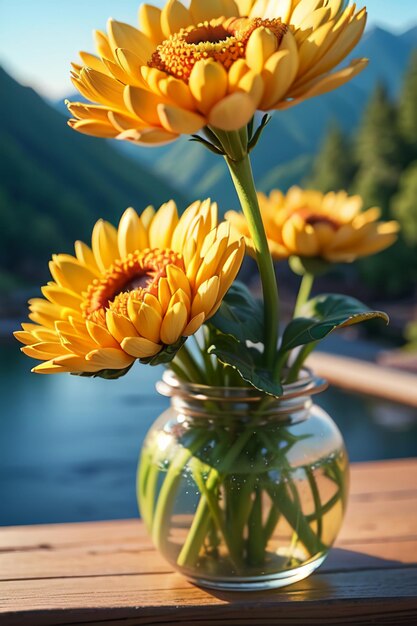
column 241, row 491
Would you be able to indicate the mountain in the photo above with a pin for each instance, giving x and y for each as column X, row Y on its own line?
column 410, row 37
column 55, row 183
column 293, row 137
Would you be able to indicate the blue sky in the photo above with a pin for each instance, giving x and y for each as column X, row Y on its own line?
column 39, row 38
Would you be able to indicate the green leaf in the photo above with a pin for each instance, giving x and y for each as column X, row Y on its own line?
column 107, row 374
column 250, row 128
column 258, row 133
column 240, row 315
column 166, row 355
column 324, row 314
column 206, row 144
column 245, row 361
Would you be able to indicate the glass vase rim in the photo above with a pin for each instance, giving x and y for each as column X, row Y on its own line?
column 308, row 384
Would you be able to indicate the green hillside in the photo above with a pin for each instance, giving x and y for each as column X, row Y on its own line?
column 55, row 183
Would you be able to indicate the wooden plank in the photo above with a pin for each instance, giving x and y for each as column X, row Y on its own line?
column 347, row 555
column 70, row 535
column 170, row 599
column 382, row 477
column 381, row 613
column 368, row 521
column 378, row 555
column 366, row 378
column 94, row 561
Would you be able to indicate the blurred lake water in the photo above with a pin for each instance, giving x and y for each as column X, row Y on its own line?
column 69, row 446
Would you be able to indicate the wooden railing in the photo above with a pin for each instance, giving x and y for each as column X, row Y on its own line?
column 366, row 378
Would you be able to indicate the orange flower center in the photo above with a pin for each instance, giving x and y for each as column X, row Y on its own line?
column 314, row 220
column 139, row 273
column 223, row 40
column 317, row 218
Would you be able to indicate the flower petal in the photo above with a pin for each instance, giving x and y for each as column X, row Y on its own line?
column 94, row 128
column 174, row 17
column 180, row 121
column 62, row 296
column 206, row 297
column 174, row 324
column 147, row 321
column 233, row 112
column 163, row 226
column 142, row 103
column 194, row 325
column 109, row 358
column 261, row 45
column 119, row 326
column 131, row 234
column 104, row 244
column 150, row 22
column 125, row 36
column 208, row 84
column 130, row 63
column 140, row 348
column 147, row 136
column 72, row 274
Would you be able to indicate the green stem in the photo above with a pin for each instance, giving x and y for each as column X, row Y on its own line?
column 341, row 481
column 240, row 507
column 213, row 540
column 185, row 359
column 295, row 368
column 287, row 501
column 210, row 367
column 279, row 365
column 195, row 536
column 292, row 512
column 141, row 484
column 209, row 494
column 271, row 523
column 238, row 161
column 317, row 502
column 167, row 495
column 201, row 523
column 179, row 371
column 326, row 507
column 306, row 287
column 256, row 546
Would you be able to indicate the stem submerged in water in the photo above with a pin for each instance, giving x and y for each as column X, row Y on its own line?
column 241, row 503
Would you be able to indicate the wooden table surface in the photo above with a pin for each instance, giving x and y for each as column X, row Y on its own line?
column 107, row 573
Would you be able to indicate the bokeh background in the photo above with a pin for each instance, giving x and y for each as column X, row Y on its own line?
column 69, row 446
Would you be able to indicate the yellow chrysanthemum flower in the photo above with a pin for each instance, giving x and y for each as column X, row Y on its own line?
column 136, row 292
column 212, row 64
column 310, row 224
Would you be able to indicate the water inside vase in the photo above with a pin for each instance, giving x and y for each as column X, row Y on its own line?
column 278, row 507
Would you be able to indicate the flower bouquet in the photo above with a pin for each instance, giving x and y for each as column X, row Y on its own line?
column 242, row 483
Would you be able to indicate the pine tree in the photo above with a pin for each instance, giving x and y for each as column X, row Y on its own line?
column 379, row 152
column 333, row 167
column 404, row 209
column 407, row 114
column 404, row 205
